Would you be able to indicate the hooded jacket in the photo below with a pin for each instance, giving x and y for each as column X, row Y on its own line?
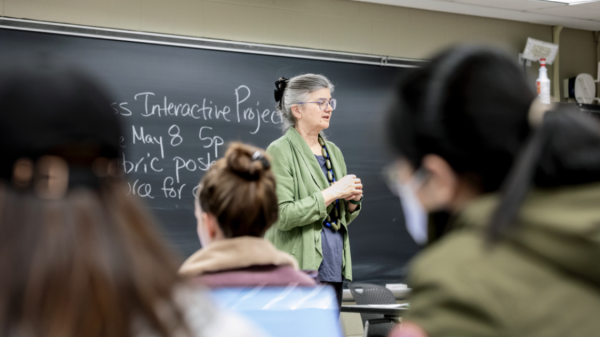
column 541, row 279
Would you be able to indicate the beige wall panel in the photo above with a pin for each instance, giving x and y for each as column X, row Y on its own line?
column 447, row 30
column 235, row 22
column 539, row 32
column 577, row 53
column 108, row 13
column 334, row 34
column 385, row 37
column 300, row 30
column 383, row 13
column 514, row 34
column 494, row 32
column 460, row 29
column 37, row 9
column 281, row 4
column 340, row 8
column 182, row 17
column 407, row 39
column 426, row 34
column 119, row 14
column 282, row 28
column 359, row 36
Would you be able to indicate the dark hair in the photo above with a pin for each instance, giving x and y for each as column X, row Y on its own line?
column 53, row 110
column 470, row 105
column 239, row 190
column 86, row 261
column 87, row 264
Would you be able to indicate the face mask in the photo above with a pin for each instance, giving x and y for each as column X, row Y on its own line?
column 415, row 215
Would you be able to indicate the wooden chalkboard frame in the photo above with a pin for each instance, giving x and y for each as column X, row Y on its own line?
column 203, row 43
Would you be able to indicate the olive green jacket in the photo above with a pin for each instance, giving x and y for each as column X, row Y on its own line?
column 542, row 280
column 302, row 210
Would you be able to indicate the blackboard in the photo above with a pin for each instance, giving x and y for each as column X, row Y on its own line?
column 183, row 105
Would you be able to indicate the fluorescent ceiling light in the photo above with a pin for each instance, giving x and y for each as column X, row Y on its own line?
column 569, row 2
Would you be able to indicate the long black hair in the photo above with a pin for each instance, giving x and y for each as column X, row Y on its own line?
column 470, row 105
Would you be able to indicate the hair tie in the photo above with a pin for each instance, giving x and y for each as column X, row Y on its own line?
column 280, row 84
column 536, row 113
column 259, row 156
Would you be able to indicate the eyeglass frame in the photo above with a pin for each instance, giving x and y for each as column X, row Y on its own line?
column 328, row 101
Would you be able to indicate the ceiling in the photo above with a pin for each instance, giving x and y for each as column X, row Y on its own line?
column 584, row 16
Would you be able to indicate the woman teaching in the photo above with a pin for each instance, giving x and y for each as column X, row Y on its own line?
column 317, row 198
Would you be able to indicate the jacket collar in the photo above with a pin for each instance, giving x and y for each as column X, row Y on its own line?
column 309, row 158
column 240, row 252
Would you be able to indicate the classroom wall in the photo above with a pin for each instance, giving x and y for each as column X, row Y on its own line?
column 340, row 25
column 577, row 53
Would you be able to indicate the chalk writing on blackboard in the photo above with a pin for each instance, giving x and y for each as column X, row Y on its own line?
column 162, row 140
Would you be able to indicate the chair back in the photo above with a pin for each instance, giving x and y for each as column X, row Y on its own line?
column 367, row 293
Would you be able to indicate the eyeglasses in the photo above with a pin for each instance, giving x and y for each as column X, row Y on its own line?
column 323, row 102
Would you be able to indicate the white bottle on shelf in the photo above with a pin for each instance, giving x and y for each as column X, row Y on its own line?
column 543, row 83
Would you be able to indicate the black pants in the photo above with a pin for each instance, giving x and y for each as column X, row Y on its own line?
column 337, row 287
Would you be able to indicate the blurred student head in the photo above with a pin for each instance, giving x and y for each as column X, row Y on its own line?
column 468, row 123
column 78, row 257
column 237, row 196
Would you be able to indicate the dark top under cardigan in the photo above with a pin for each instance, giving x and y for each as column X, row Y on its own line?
column 332, row 245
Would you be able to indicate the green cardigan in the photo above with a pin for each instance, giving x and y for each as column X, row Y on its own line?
column 302, row 210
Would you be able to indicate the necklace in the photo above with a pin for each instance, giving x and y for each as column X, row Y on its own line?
column 333, row 219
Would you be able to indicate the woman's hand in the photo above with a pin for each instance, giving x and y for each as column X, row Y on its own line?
column 349, row 187
column 356, row 197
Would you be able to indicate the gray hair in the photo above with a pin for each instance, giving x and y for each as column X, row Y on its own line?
column 297, row 89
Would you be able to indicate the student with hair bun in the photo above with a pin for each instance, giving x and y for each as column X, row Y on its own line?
column 236, row 203
column 521, row 184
